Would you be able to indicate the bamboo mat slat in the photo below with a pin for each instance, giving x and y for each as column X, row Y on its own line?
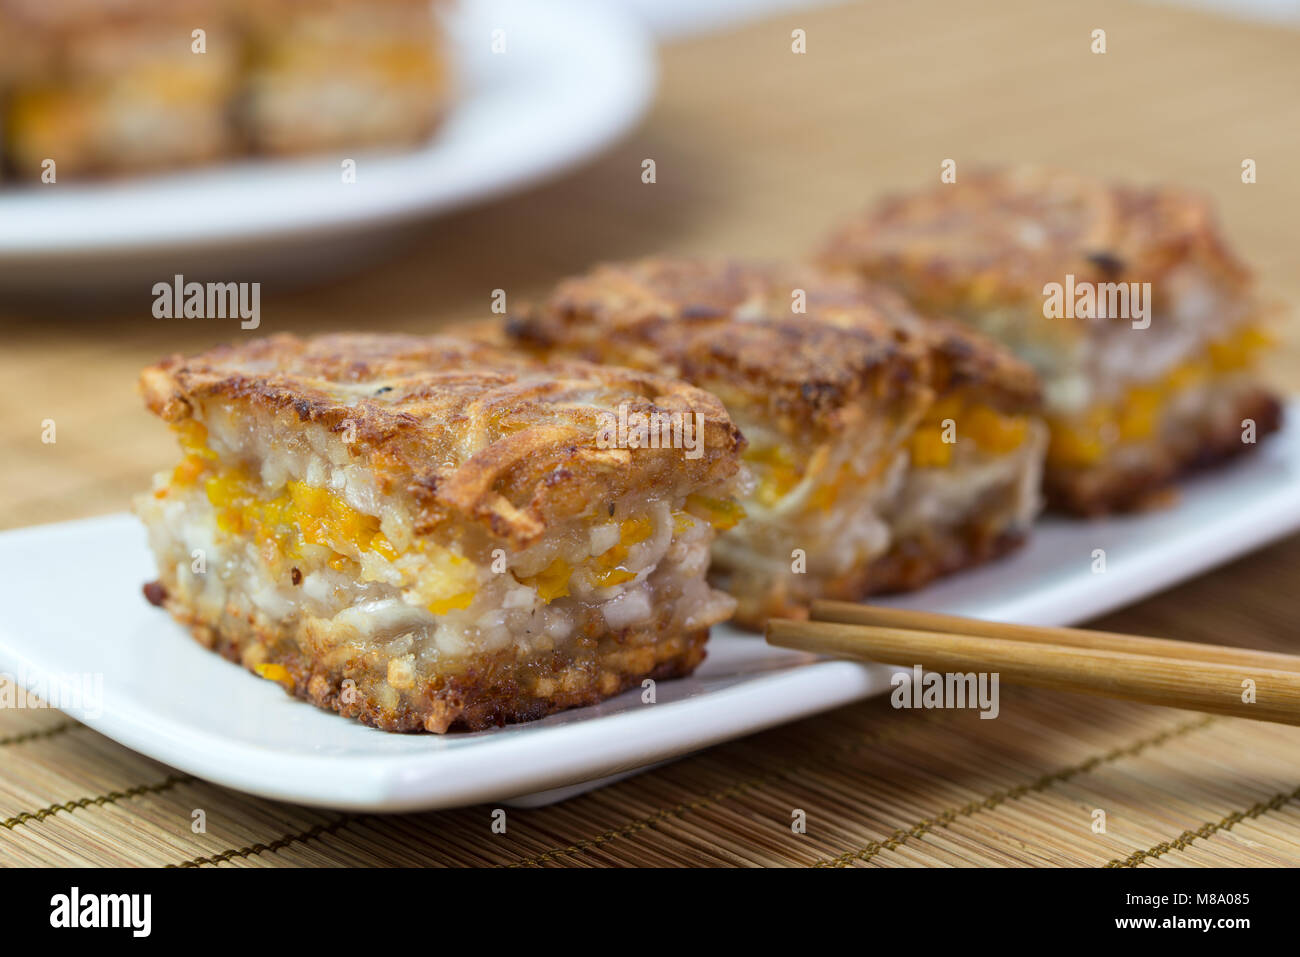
column 757, row 151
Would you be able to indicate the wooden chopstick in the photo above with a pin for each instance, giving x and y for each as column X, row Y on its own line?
column 1178, row 682
column 849, row 613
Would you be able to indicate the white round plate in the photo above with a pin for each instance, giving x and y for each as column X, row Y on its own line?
column 574, row 76
column 123, row 667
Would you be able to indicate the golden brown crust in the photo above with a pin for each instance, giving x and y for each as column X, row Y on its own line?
column 43, row 20
column 996, row 236
column 49, row 41
column 915, row 562
column 910, row 563
column 37, row 15
column 725, row 322
column 497, row 690
column 45, row 41
column 729, row 326
column 1111, row 487
column 277, row 10
column 962, row 360
column 77, row 78
column 460, row 427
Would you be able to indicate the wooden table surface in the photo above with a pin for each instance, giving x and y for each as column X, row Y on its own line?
column 757, row 150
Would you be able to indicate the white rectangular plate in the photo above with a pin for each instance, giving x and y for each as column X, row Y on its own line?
column 74, row 609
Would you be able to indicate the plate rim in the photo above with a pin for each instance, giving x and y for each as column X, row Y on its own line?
column 621, row 101
column 510, row 765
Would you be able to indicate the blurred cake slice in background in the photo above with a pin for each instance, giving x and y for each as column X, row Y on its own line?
column 107, row 86
column 340, row 73
column 1143, row 324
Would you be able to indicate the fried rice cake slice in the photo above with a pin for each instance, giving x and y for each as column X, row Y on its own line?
column 323, row 74
column 1133, row 401
column 428, row 532
column 832, row 382
column 109, row 87
column 100, row 87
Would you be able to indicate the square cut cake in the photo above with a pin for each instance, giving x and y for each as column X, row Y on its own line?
column 124, row 86
column 100, row 86
column 1143, row 325
column 884, row 449
column 431, row 533
column 343, row 74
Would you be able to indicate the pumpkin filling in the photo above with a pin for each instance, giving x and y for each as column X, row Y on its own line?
column 295, row 552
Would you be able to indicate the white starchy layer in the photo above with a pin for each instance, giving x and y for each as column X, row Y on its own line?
column 312, row 455
column 343, row 609
column 1079, row 372
column 285, row 110
column 387, row 601
column 936, row 498
column 868, row 519
column 835, row 540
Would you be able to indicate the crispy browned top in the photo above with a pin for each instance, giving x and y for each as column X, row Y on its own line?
column 79, row 14
column 44, row 40
column 52, row 41
column 384, row 14
column 999, row 236
column 730, row 327
column 963, row 359
column 462, row 427
column 46, row 24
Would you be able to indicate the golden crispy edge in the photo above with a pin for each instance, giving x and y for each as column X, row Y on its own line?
column 803, row 376
column 488, row 696
column 38, row 19
column 870, row 344
column 967, row 361
column 1108, row 488
column 1138, row 234
column 911, row 564
column 548, row 469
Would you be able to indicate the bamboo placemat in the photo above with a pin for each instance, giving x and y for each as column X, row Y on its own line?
column 757, row 150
